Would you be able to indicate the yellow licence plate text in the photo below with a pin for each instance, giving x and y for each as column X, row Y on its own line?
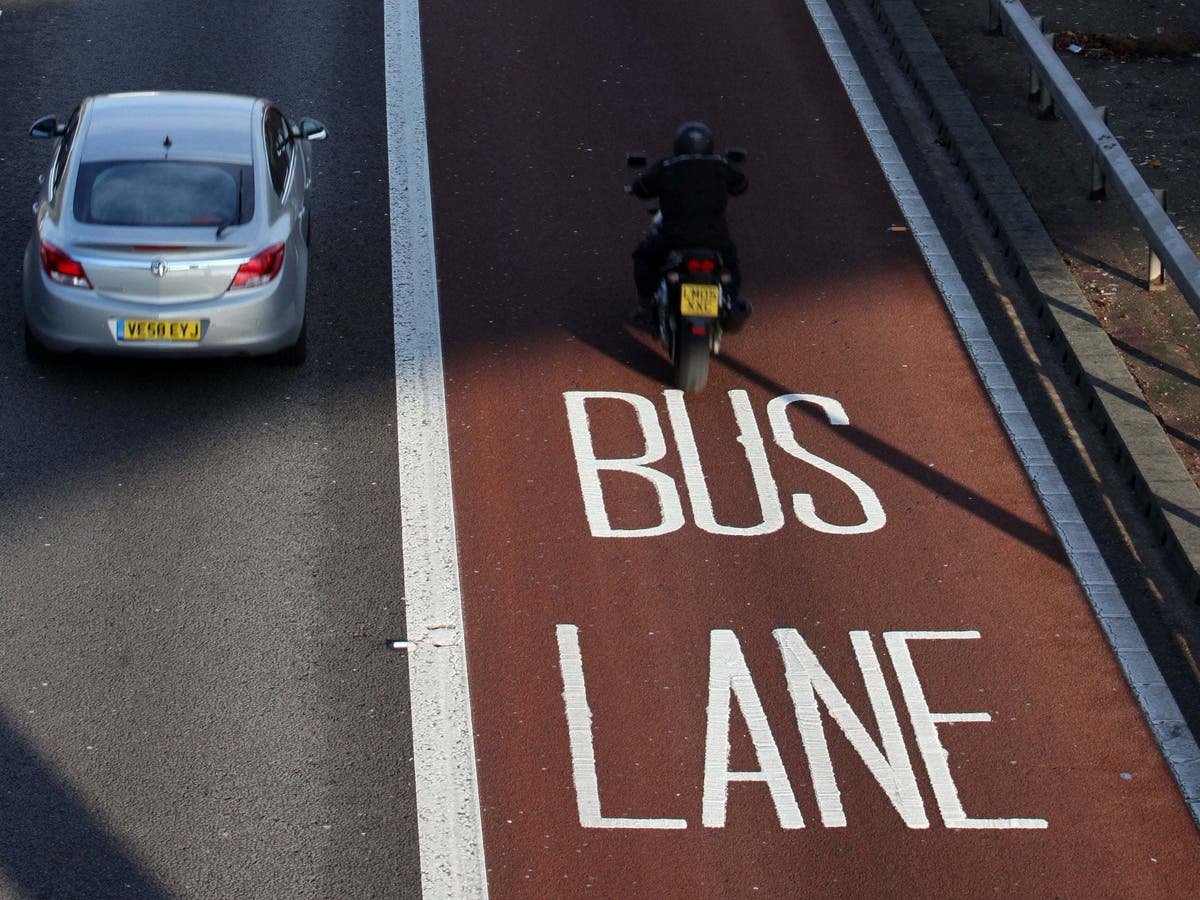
column 157, row 330
column 699, row 299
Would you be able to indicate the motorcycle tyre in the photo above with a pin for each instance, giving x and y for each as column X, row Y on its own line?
column 691, row 360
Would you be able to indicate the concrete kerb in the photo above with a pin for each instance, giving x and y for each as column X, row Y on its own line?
column 1135, row 437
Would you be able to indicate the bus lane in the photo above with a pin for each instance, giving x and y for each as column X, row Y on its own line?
column 809, row 631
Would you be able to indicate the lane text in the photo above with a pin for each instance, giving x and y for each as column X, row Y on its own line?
column 816, row 700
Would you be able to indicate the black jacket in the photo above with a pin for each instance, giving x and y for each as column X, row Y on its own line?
column 692, row 192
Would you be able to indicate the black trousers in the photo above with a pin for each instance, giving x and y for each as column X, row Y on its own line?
column 651, row 254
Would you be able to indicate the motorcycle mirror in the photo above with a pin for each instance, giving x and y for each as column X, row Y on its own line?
column 635, row 160
column 736, row 155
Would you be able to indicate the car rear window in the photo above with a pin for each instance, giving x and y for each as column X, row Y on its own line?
column 164, row 193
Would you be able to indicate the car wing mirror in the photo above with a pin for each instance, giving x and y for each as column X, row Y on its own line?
column 635, row 160
column 47, row 127
column 310, row 130
column 737, row 155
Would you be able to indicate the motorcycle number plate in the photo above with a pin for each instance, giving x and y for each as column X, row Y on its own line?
column 699, row 299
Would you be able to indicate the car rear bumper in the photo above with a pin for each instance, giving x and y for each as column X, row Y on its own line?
column 252, row 322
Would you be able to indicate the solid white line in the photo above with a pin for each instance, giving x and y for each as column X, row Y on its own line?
column 448, row 815
column 1141, row 671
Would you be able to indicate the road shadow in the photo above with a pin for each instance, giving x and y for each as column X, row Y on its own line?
column 51, row 845
column 1106, row 267
column 631, row 345
column 962, row 496
column 1122, row 345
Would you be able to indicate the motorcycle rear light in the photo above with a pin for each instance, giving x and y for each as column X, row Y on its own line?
column 699, row 329
column 701, row 265
column 62, row 268
column 260, row 269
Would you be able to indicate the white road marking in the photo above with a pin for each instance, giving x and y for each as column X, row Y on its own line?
column 924, row 723
column 756, row 455
column 583, row 748
column 1141, row 671
column 729, row 676
column 805, row 508
column 670, row 506
column 888, row 762
column 448, row 815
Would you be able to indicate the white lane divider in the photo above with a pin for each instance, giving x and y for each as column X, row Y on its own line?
column 1141, row 671
column 448, row 816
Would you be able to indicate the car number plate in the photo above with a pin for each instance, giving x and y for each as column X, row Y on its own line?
column 158, row 330
column 699, row 299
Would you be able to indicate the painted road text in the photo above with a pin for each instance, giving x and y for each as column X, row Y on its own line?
column 887, row 759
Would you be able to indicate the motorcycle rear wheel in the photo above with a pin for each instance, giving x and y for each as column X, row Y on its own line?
column 691, row 360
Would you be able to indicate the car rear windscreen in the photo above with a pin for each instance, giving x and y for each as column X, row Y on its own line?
column 164, row 193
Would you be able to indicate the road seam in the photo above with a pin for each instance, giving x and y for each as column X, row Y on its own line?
column 449, row 825
column 1170, row 730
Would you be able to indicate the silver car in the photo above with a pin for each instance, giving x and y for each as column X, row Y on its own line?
column 171, row 224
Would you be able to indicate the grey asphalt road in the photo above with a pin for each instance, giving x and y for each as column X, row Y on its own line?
column 199, row 563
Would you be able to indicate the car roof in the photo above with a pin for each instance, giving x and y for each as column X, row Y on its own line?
column 201, row 126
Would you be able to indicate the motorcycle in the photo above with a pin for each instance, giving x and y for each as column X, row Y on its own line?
column 692, row 307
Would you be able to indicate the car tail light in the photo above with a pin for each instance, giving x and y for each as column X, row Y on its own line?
column 700, row 265
column 62, row 268
column 260, row 269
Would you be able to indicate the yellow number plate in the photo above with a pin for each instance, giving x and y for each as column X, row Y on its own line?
column 699, row 299
column 157, row 330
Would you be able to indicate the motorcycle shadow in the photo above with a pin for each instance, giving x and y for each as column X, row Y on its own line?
column 632, row 345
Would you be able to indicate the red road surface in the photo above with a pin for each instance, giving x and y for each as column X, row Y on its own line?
column 531, row 107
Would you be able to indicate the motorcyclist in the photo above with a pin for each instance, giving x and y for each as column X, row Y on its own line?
column 692, row 188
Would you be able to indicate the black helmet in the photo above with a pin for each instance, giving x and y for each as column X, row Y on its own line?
column 693, row 139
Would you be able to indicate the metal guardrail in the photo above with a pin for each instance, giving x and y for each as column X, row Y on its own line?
column 1118, row 170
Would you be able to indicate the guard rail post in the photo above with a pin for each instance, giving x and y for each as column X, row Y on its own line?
column 993, row 17
column 1156, row 278
column 1099, row 191
column 1045, row 96
column 1035, row 83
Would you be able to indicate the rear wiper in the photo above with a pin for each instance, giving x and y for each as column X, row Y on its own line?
column 221, row 228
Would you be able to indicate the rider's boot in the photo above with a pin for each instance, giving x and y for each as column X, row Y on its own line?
column 739, row 311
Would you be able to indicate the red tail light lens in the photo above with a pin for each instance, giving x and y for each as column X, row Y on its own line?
column 260, row 269
column 701, row 265
column 62, row 268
